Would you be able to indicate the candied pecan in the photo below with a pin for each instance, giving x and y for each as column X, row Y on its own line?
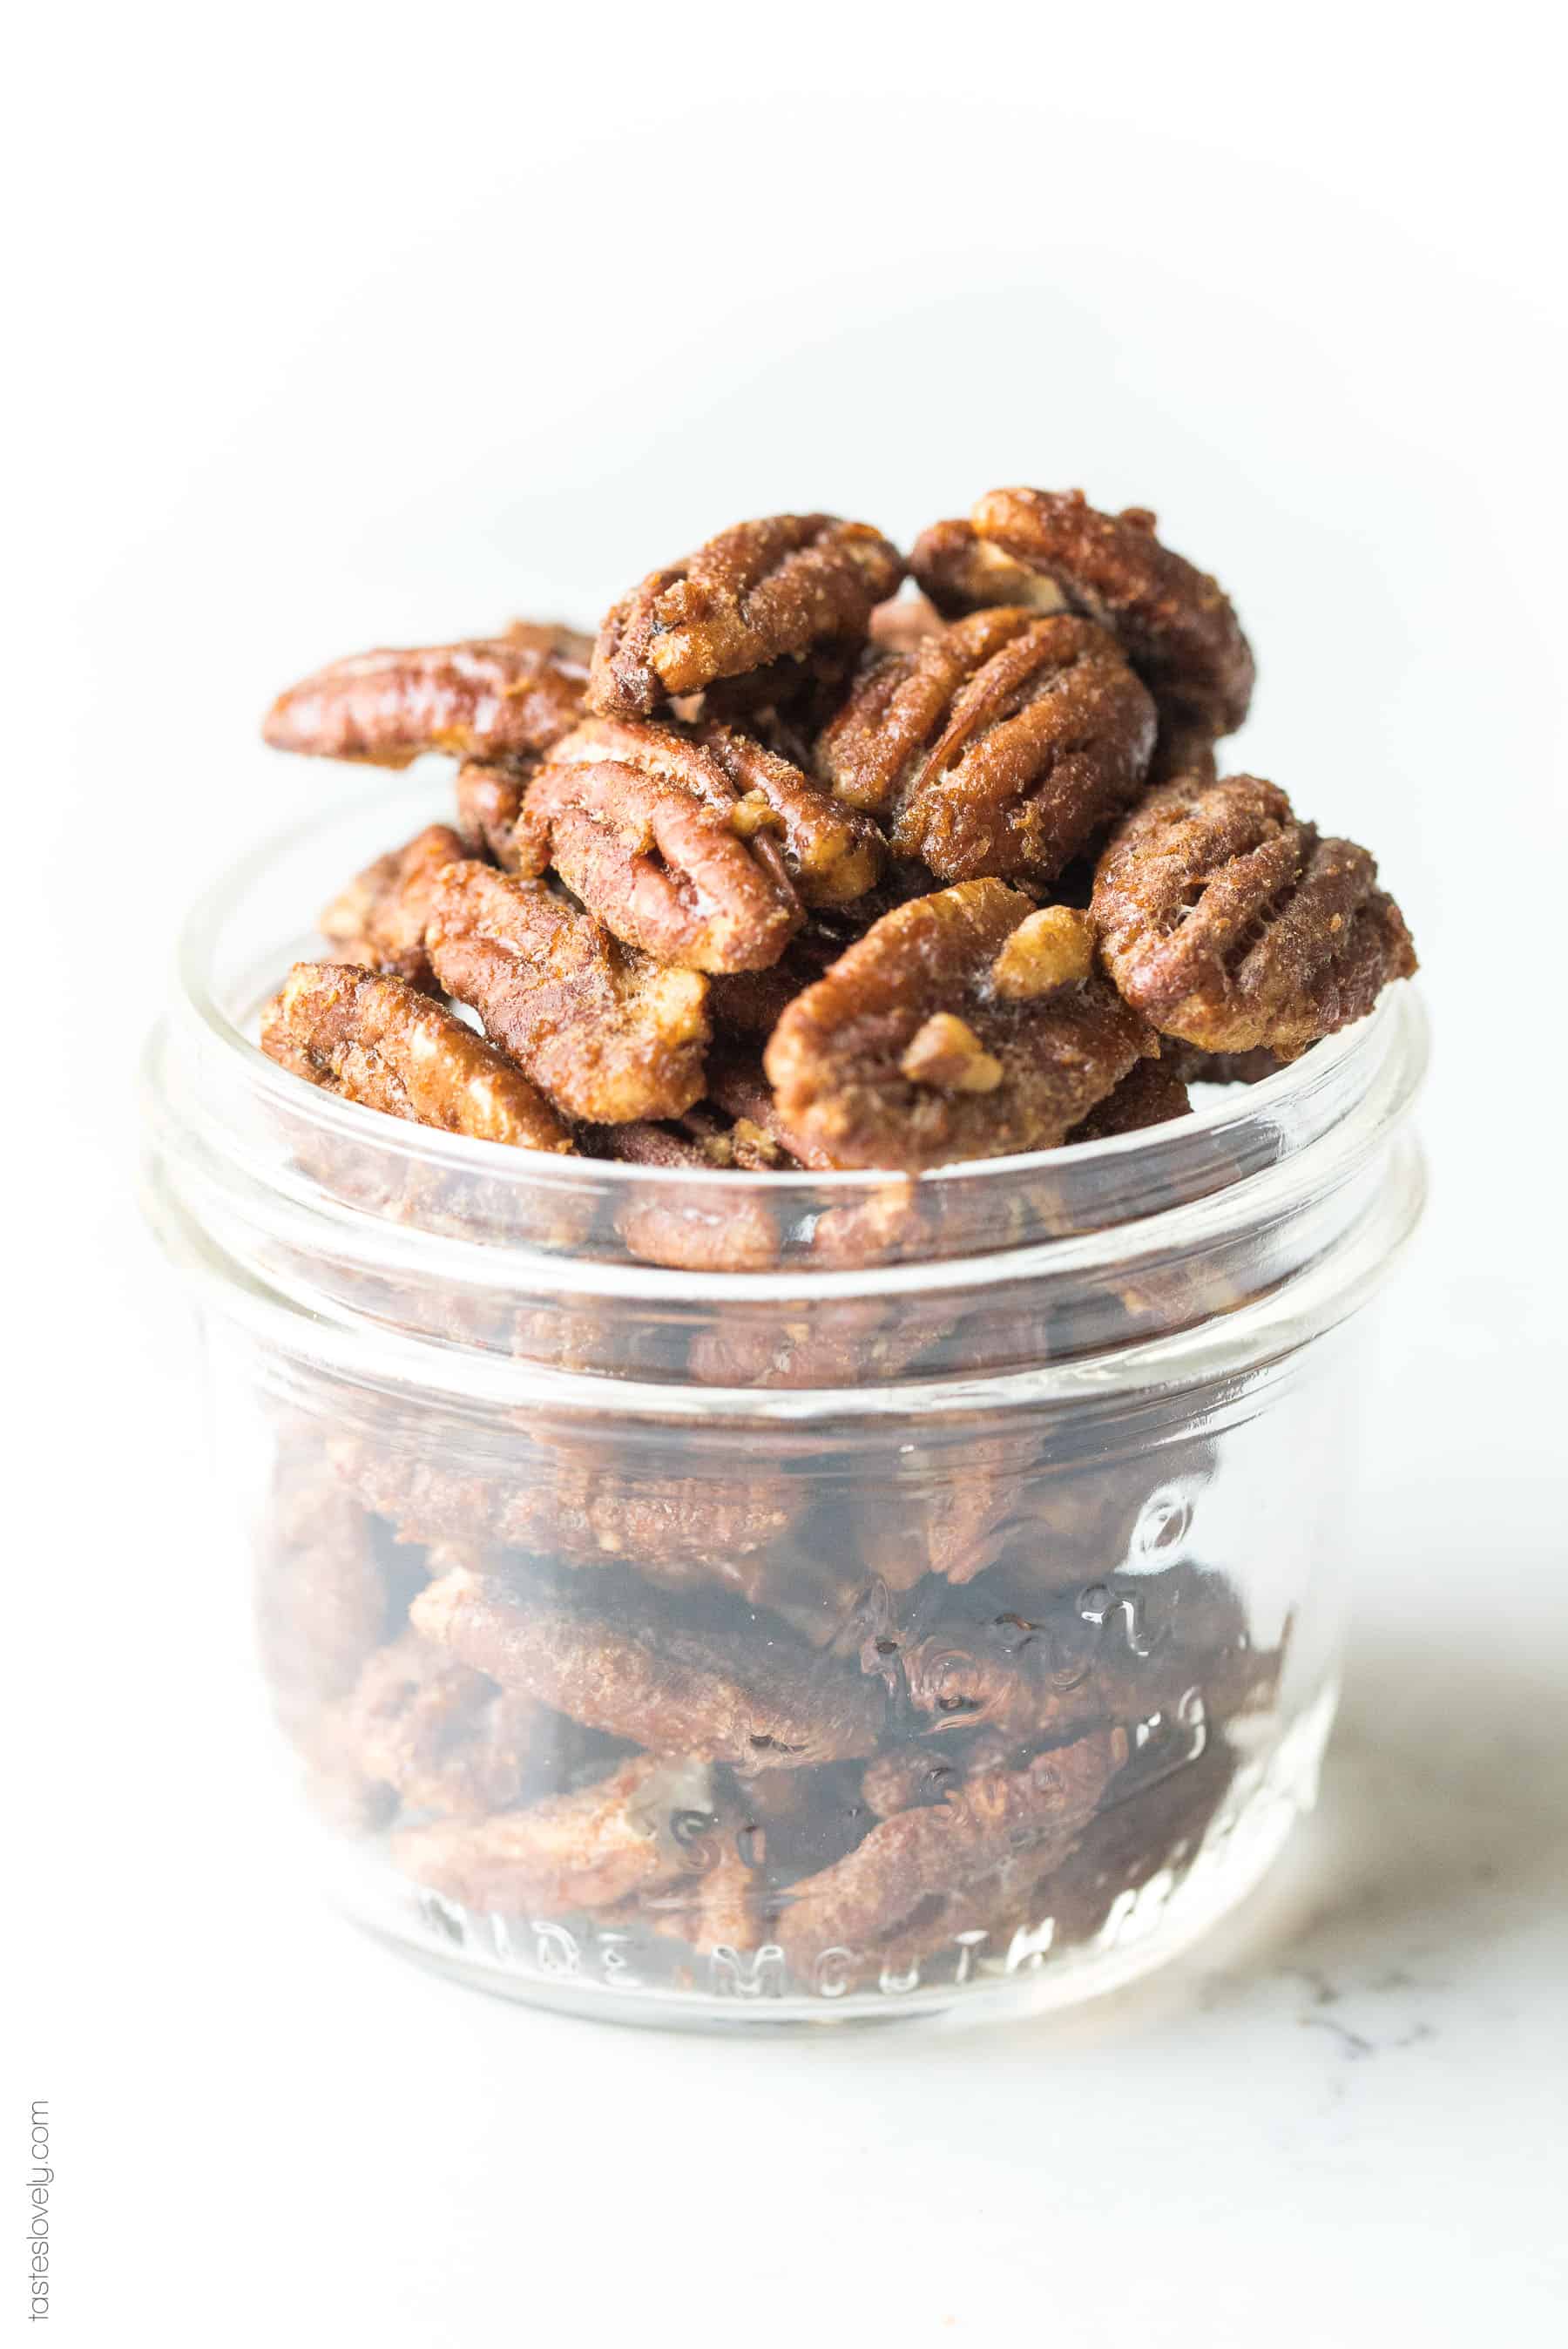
column 756, row 592
column 1003, row 745
column 378, row 921
column 833, row 854
column 490, row 801
column 747, row 1695
column 628, row 1833
column 379, row 1041
column 719, row 1907
column 1051, row 550
column 1199, row 1068
column 443, row 1737
column 1116, row 1650
column 1134, row 1838
column 862, row 1077
column 1231, row 924
column 606, row 1034
column 1149, row 1095
column 489, row 698
column 321, row 1599
column 998, row 1818
column 647, row 827
column 694, row 1229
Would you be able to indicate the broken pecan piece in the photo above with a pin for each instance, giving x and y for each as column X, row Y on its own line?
column 648, row 829
column 378, row 921
column 629, row 1833
column 1003, row 745
column 379, row 1041
column 833, row 854
column 925, row 1855
column 605, row 1033
column 1232, row 924
column 489, row 698
column 756, row 592
column 906, row 1053
column 751, row 1696
column 1051, row 550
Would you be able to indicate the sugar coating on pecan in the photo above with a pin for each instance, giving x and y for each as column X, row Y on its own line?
column 647, row 827
column 1149, row 1095
column 446, row 1738
column 627, row 1833
column 491, row 698
column 1051, row 549
column 378, row 921
column 753, row 1697
column 605, row 1033
column 905, row 1053
column 1232, row 925
column 833, row 854
column 757, row 593
column 1003, row 745
column 378, row 1042
column 995, row 1819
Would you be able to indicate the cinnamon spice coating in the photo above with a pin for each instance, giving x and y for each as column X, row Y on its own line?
column 757, row 593
column 1001, row 745
column 1232, row 926
column 378, row 1042
column 628, row 1834
column 604, row 1033
column 1051, row 550
column 489, row 698
column 754, row 1697
column 378, row 921
column 647, row 827
column 906, row 1055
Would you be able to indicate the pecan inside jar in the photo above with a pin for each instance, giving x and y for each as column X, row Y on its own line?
column 1052, row 550
column 1000, row 746
column 1233, row 926
column 760, row 591
column 378, row 921
column 942, row 1034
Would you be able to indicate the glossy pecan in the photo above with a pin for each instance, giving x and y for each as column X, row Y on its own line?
column 1051, row 550
column 1232, row 926
column 647, row 827
column 833, row 854
column 926, row 1855
column 378, row 1042
column 605, row 1033
column 1003, row 745
column 378, row 921
column 489, row 698
column 627, row 1833
column 757, row 593
column 907, row 1053
column 747, row 1694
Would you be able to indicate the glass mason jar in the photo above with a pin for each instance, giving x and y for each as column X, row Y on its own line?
column 724, row 1597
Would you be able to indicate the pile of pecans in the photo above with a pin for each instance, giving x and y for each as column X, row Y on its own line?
column 791, row 869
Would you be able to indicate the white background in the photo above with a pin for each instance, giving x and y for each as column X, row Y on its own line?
column 342, row 325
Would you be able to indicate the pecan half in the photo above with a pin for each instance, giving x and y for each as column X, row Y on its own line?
column 489, row 698
column 906, row 1053
column 749, row 1696
column 833, row 854
column 605, row 1033
column 692, row 1230
column 1003, row 745
column 628, row 1834
column 756, row 592
column 1231, row 924
column 443, row 1737
column 997, row 1817
column 1050, row 549
column 378, row 921
column 378, row 1042
column 646, row 826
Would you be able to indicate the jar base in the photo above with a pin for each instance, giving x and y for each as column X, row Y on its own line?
column 593, row 1972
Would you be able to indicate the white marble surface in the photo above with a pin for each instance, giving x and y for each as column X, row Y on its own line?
column 1322, row 335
